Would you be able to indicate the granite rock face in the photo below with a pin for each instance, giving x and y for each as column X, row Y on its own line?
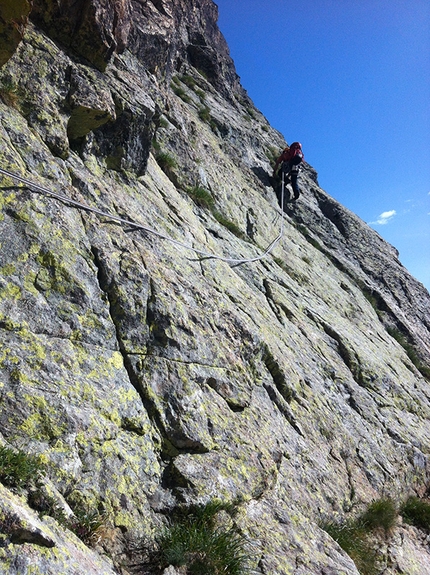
column 93, row 29
column 13, row 20
column 149, row 376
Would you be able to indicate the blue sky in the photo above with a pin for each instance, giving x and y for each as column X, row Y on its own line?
column 350, row 79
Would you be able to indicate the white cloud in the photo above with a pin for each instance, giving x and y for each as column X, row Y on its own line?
column 385, row 217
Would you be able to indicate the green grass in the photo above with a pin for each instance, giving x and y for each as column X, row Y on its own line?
column 204, row 199
column 45, row 504
column 166, row 161
column 85, row 523
column 17, row 469
column 9, row 93
column 204, row 114
column 416, row 511
column 382, row 514
column 272, row 154
column 200, row 94
column 372, row 300
column 188, row 81
column 410, row 351
column 359, row 537
column 179, row 91
column 251, row 113
column 354, row 539
column 200, row 542
column 201, row 196
column 231, row 226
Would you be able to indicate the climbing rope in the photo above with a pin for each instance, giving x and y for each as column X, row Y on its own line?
column 203, row 254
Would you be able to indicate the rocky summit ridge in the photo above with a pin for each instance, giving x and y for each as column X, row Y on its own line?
column 145, row 379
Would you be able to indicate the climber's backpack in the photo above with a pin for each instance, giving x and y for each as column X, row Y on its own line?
column 296, row 153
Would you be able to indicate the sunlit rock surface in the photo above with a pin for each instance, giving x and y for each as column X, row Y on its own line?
column 147, row 377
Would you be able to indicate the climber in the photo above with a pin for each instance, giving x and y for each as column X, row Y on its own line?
column 290, row 160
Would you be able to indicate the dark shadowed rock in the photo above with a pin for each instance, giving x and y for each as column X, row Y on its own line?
column 94, row 29
column 13, row 20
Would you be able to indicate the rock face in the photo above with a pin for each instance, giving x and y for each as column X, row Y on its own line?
column 94, row 29
column 13, row 19
column 147, row 377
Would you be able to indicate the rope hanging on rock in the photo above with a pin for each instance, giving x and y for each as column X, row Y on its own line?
column 203, row 254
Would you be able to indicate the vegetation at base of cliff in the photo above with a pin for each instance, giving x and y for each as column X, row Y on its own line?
column 416, row 511
column 202, row 541
column 17, row 469
column 45, row 504
column 357, row 537
column 86, row 523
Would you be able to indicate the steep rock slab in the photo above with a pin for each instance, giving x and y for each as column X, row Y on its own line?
column 283, row 341
column 149, row 379
column 400, row 300
column 65, row 391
